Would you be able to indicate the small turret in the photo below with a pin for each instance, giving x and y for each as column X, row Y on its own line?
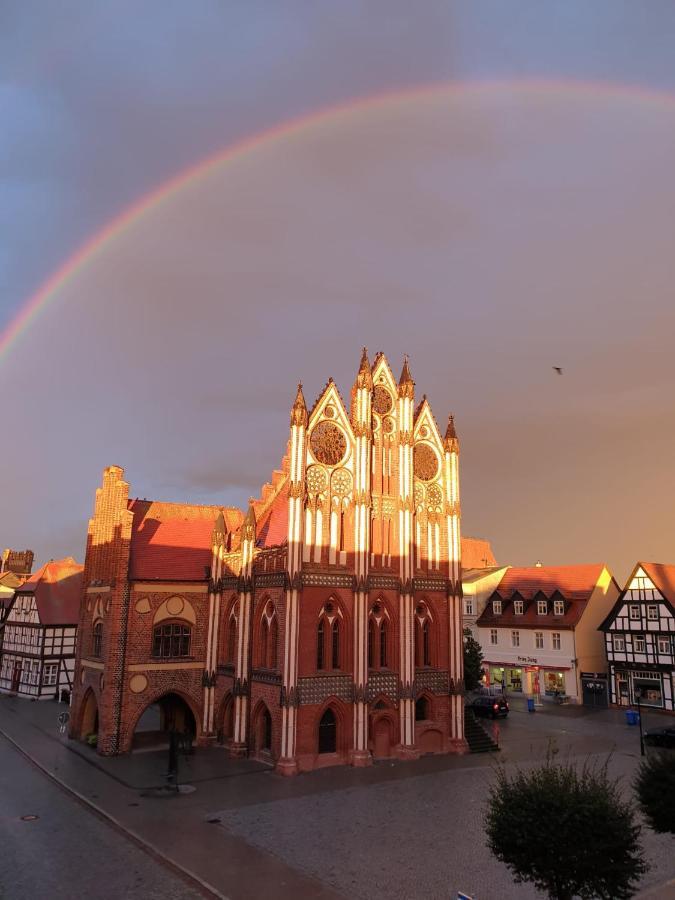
column 364, row 379
column 249, row 525
column 450, row 442
column 219, row 529
column 406, row 385
column 299, row 409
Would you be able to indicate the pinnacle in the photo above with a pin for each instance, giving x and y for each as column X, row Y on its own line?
column 364, row 379
column 406, row 377
column 299, row 408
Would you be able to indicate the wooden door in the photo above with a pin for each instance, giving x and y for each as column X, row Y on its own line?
column 16, row 676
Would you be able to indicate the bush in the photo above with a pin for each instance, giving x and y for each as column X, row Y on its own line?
column 92, row 740
column 566, row 831
column 655, row 787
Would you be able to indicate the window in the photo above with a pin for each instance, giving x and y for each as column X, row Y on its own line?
column 421, row 709
column 328, row 638
column 652, row 612
column 422, row 637
column 371, row 644
column 634, row 612
column 555, row 640
column 539, row 640
column 663, row 642
column 542, row 607
column 515, row 639
column 171, row 640
column 639, row 643
column 232, row 639
column 493, row 636
column 383, row 644
column 272, row 660
column 558, row 607
column 468, row 606
column 50, row 673
column 497, row 607
column 618, row 642
column 518, row 607
column 319, row 644
column 97, row 640
column 426, row 649
column 335, row 644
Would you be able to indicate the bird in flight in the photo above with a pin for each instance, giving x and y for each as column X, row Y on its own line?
column 558, row 369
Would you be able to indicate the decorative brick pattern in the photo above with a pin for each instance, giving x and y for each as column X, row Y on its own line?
column 320, row 688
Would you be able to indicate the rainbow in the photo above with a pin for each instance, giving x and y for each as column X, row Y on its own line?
column 87, row 252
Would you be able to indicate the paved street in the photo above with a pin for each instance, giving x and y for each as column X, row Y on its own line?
column 68, row 852
column 391, row 831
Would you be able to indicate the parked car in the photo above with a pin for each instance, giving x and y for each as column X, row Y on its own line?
column 496, row 707
column 660, row 737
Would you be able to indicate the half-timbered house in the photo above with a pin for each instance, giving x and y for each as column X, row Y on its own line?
column 38, row 653
column 640, row 639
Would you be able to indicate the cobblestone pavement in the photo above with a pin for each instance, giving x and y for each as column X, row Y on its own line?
column 422, row 836
column 66, row 852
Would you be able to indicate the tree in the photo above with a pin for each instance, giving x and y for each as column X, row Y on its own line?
column 566, row 831
column 655, row 787
column 473, row 657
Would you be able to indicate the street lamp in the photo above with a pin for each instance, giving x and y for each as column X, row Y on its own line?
column 642, row 741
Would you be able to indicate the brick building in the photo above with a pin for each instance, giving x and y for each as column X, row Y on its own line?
column 322, row 627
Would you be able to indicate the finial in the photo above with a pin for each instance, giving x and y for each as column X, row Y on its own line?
column 406, row 385
column 364, row 379
column 451, row 443
column 299, row 408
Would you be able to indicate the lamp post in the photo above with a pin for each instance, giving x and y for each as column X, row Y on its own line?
column 642, row 742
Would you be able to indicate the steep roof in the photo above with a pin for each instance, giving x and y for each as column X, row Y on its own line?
column 663, row 577
column 57, row 589
column 574, row 584
column 477, row 553
column 172, row 541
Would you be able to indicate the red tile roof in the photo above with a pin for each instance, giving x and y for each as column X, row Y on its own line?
column 573, row 584
column 57, row 588
column 272, row 527
column 663, row 576
column 477, row 553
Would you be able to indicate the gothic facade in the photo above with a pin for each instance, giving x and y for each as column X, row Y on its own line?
column 322, row 627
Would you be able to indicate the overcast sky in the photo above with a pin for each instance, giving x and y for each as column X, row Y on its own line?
column 490, row 233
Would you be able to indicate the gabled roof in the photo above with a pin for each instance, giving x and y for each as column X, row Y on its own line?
column 57, row 589
column 477, row 553
column 662, row 577
column 574, row 584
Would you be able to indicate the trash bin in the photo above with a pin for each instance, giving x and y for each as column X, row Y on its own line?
column 632, row 717
column 530, row 704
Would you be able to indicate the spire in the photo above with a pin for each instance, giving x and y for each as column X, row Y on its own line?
column 451, row 443
column 219, row 529
column 406, row 385
column 299, row 408
column 365, row 377
column 248, row 528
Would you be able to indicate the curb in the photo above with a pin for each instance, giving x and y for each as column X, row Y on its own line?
column 135, row 838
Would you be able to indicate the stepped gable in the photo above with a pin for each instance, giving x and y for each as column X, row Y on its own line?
column 172, row 541
column 477, row 553
column 57, row 588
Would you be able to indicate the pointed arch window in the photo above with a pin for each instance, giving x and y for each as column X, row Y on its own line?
column 97, row 639
column 329, row 638
column 422, row 637
column 335, row 644
column 264, row 641
column 371, row 643
column 273, row 657
column 232, row 639
column 421, row 709
column 378, row 635
column 328, row 732
column 384, row 628
column 320, row 638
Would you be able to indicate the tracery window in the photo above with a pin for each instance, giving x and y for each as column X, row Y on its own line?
column 97, row 640
column 232, row 639
column 422, row 636
column 328, row 638
column 269, row 634
column 378, row 633
column 171, row 639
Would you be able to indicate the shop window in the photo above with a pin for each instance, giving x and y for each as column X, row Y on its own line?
column 639, row 643
column 516, row 679
column 619, row 643
column 493, row 636
column 539, row 640
column 634, row 612
column 647, row 688
column 554, row 681
column 518, row 607
column 542, row 607
column 652, row 613
column 515, row 639
column 555, row 640
column 558, row 607
column 171, row 640
column 497, row 607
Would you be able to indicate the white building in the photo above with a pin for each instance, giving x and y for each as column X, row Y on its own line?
column 640, row 639
column 539, row 631
column 477, row 586
column 38, row 650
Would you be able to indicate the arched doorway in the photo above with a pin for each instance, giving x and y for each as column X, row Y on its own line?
column 328, row 732
column 382, row 738
column 168, row 713
column 89, row 726
column 263, row 731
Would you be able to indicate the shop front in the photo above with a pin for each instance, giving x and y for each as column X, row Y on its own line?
column 534, row 680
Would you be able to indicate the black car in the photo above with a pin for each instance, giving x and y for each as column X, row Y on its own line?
column 660, row 737
column 496, row 707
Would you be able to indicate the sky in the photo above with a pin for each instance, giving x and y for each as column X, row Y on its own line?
column 492, row 230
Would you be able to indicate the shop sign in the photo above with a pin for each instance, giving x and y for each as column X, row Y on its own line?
column 531, row 660
column 595, row 675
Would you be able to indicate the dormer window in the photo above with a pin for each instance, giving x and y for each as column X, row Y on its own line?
column 542, row 607
column 558, row 607
column 518, row 607
column 497, row 607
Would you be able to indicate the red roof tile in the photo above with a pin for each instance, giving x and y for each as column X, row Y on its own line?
column 663, row 576
column 477, row 553
column 272, row 527
column 57, row 588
